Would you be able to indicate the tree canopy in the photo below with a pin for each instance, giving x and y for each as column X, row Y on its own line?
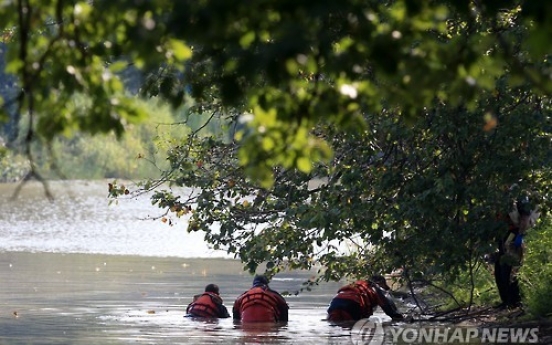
column 423, row 196
column 392, row 127
column 289, row 64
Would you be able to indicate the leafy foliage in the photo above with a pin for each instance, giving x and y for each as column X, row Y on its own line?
column 13, row 167
column 139, row 154
column 536, row 272
column 445, row 104
column 289, row 65
column 422, row 197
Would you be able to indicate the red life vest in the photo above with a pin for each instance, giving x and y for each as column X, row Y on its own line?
column 205, row 306
column 259, row 304
column 362, row 294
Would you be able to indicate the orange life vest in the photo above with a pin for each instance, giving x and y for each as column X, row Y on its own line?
column 360, row 293
column 205, row 306
column 259, row 304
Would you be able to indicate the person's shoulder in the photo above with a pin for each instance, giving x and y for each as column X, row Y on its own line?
column 215, row 298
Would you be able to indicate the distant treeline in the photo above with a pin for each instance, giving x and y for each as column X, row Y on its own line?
column 140, row 153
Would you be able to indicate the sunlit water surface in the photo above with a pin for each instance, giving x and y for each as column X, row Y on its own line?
column 79, row 271
column 80, row 219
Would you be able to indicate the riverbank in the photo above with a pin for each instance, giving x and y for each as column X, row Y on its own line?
column 488, row 317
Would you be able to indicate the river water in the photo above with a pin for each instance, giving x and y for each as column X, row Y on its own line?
column 77, row 270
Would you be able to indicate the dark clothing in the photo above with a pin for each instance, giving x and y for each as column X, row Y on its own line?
column 208, row 305
column 260, row 304
column 507, row 284
column 510, row 254
column 344, row 309
column 359, row 300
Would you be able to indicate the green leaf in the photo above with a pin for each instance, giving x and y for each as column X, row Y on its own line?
column 247, row 39
column 180, row 50
column 304, row 164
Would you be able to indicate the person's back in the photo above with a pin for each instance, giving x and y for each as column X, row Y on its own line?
column 359, row 300
column 260, row 304
column 352, row 302
column 209, row 304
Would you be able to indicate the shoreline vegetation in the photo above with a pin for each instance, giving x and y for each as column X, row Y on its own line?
column 32, row 279
column 136, row 156
column 140, row 153
column 478, row 314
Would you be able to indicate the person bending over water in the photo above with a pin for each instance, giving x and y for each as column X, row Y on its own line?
column 359, row 300
column 209, row 304
column 260, row 304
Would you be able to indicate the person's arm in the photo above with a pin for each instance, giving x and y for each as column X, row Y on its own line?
column 193, row 301
column 385, row 301
column 223, row 311
column 509, row 240
column 282, row 306
column 512, row 255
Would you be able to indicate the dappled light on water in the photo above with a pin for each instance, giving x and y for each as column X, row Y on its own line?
column 80, row 220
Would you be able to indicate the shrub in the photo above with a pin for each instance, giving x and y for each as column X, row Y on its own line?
column 458, row 292
column 140, row 153
column 13, row 167
column 536, row 272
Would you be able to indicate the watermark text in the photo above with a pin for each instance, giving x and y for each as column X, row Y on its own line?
column 371, row 332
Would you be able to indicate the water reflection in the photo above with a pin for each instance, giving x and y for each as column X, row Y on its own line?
column 80, row 220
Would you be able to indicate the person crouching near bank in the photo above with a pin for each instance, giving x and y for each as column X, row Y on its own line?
column 358, row 300
column 209, row 304
column 260, row 304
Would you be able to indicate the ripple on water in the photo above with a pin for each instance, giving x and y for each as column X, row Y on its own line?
column 81, row 220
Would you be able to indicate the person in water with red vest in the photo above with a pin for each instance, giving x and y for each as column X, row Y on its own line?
column 260, row 304
column 208, row 304
column 359, row 300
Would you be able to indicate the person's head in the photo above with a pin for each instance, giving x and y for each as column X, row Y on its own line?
column 213, row 288
column 524, row 208
column 523, row 205
column 381, row 281
column 259, row 280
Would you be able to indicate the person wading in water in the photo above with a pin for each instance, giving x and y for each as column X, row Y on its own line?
column 208, row 304
column 260, row 304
